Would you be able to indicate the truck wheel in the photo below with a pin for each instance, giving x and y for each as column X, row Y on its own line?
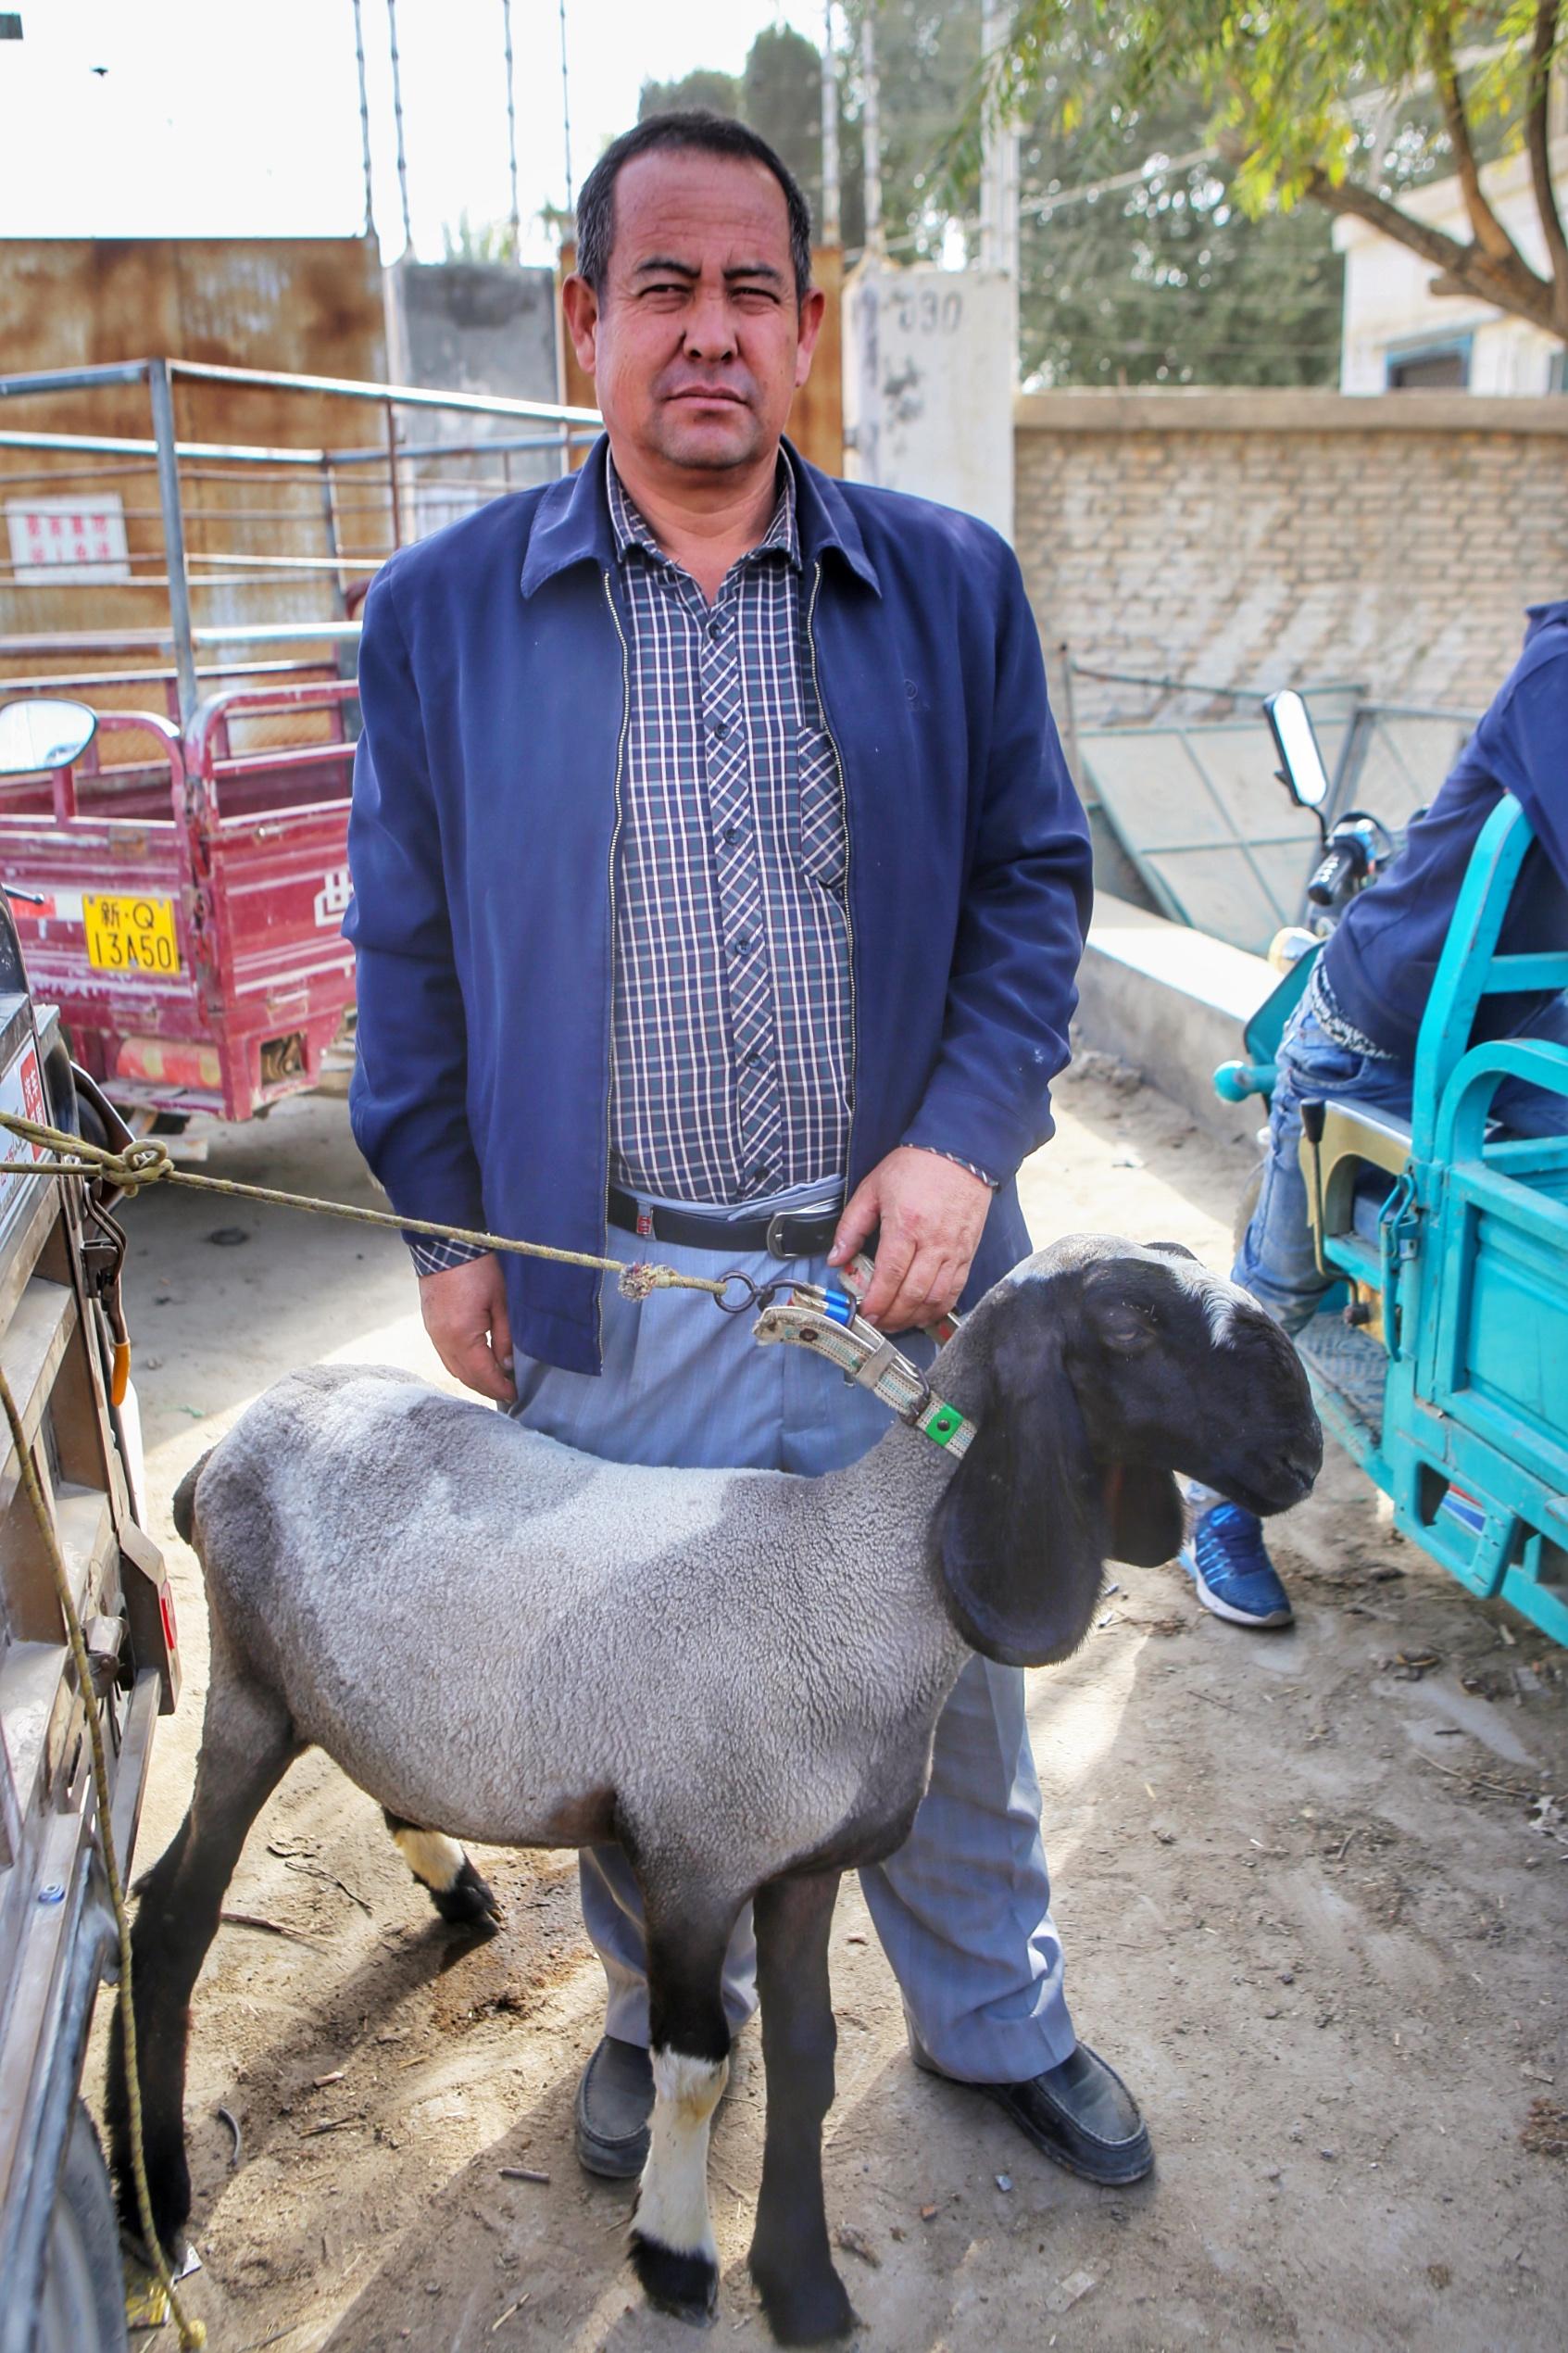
column 83, row 2306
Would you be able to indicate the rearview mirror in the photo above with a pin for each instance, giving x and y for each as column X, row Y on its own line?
column 1291, row 725
column 43, row 734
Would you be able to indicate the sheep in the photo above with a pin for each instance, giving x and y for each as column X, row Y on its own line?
column 736, row 1674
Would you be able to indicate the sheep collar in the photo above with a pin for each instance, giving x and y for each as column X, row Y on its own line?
column 827, row 1323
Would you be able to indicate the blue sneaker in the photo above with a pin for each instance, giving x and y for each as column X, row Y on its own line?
column 1228, row 1562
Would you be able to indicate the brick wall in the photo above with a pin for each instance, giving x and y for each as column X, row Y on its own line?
column 1264, row 538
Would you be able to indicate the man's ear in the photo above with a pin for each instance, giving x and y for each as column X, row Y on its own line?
column 1020, row 1533
column 1145, row 1515
column 580, row 306
column 813, row 305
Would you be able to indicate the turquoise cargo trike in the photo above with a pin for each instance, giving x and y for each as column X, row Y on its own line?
column 1442, row 1365
column 1456, row 1242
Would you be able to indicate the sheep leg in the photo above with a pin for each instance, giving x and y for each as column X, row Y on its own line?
column 672, row 2249
column 801, row 2292
column 247, row 1743
column 445, row 1872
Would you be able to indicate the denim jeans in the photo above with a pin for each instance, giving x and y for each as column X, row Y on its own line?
column 1275, row 1262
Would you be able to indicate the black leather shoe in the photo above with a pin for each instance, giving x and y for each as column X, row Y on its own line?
column 614, row 2106
column 1080, row 2113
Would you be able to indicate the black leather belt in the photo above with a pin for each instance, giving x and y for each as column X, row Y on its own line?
column 788, row 1233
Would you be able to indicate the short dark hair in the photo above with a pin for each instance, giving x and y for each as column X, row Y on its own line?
column 695, row 128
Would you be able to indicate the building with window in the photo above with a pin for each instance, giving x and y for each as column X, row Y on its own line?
column 1399, row 336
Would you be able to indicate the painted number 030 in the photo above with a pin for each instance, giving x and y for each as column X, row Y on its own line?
column 930, row 313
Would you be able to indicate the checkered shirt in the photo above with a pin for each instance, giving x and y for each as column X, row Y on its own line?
column 731, row 1011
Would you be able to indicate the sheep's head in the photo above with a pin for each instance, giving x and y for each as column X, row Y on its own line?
column 1097, row 1371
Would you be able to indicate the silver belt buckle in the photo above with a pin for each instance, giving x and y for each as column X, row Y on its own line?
column 776, row 1234
column 779, row 1220
column 827, row 1214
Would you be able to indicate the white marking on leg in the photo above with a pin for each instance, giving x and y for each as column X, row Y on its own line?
column 435, row 1859
column 673, row 2201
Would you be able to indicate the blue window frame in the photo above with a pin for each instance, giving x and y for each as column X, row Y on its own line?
column 1442, row 365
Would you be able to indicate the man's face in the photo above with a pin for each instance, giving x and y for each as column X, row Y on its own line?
column 696, row 343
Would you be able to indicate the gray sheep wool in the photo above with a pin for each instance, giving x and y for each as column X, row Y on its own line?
column 736, row 1674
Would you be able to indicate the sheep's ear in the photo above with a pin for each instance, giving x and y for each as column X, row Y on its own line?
column 1020, row 1531
column 1146, row 1516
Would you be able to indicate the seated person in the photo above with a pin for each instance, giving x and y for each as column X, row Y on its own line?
column 1352, row 1037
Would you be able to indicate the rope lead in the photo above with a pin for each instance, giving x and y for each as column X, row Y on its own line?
column 142, row 1163
column 148, row 1162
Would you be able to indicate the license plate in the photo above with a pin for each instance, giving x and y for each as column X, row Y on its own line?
column 130, row 935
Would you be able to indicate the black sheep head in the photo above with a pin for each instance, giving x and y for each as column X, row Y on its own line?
column 1096, row 1372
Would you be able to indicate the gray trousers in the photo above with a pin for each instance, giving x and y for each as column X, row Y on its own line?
column 963, row 1908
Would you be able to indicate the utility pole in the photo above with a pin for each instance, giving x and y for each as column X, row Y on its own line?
column 998, row 170
column 397, row 112
column 831, row 228
column 870, row 130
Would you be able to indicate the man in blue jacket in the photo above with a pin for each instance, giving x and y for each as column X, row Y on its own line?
column 719, row 883
column 1353, row 1036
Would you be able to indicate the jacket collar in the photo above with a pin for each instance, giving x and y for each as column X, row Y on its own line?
column 826, row 521
column 631, row 528
column 573, row 525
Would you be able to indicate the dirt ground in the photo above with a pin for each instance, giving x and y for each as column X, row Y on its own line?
column 1313, row 1889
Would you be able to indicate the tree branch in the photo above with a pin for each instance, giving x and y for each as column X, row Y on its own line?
column 1538, row 140
column 1509, row 283
column 1490, row 235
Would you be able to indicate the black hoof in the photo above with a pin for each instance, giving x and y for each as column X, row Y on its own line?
column 810, row 2308
column 686, row 2286
column 169, row 2191
column 469, row 1902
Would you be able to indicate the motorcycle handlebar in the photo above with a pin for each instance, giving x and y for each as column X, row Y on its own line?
column 1335, row 870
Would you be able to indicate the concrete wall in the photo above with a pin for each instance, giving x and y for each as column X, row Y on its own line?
column 1256, row 538
column 479, row 327
column 1174, row 1004
column 928, row 377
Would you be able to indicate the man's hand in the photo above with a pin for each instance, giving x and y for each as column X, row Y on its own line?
column 465, row 1313
column 931, row 1212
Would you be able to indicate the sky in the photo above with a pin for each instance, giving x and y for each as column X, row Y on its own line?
column 241, row 118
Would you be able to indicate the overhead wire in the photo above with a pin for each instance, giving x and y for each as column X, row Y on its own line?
column 364, row 120
column 566, row 108
column 397, row 113
column 511, row 131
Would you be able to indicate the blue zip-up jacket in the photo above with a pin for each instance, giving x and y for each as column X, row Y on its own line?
column 1383, row 959
column 483, row 846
